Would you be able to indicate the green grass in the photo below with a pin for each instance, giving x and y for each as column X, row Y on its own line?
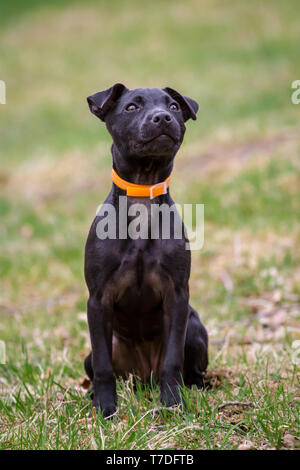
column 255, row 197
column 51, row 415
column 240, row 159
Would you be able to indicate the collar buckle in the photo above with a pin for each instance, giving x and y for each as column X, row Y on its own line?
column 164, row 189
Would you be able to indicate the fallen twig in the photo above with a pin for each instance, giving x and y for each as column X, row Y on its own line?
column 234, row 403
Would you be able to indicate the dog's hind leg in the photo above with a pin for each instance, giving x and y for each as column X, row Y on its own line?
column 90, row 373
column 88, row 366
column 195, row 351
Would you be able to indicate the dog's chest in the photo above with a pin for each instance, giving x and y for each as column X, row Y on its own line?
column 140, row 275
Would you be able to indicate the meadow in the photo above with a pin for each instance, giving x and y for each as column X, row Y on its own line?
column 240, row 159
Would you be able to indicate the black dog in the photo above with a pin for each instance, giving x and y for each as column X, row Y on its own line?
column 139, row 316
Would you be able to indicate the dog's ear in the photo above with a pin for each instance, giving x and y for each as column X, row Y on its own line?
column 189, row 107
column 100, row 103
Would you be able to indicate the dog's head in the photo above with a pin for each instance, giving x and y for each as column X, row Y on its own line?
column 145, row 121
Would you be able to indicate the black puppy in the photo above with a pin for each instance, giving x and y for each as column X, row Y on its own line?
column 139, row 316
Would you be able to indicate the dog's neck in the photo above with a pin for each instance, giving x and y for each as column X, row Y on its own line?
column 142, row 170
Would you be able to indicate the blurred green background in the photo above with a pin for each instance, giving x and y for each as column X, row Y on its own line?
column 240, row 158
column 237, row 58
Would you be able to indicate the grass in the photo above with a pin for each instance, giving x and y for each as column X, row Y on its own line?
column 241, row 159
column 54, row 416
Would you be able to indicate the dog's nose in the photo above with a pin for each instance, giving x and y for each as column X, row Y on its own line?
column 160, row 117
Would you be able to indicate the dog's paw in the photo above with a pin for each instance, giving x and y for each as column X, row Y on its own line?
column 196, row 381
column 171, row 396
column 107, row 408
column 108, row 411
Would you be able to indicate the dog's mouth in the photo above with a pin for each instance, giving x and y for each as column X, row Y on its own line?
column 163, row 143
column 162, row 137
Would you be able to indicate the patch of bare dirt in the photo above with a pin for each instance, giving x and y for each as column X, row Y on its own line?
column 219, row 158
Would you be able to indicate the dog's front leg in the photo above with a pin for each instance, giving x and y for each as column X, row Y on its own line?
column 104, row 382
column 176, row 311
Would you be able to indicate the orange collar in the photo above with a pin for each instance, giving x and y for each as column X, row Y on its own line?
column 141, row 190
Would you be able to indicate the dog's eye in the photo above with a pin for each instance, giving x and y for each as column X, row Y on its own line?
column 174, row 107
column 131, row 107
